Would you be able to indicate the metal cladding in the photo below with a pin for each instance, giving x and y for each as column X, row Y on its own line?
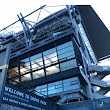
column 98, row 34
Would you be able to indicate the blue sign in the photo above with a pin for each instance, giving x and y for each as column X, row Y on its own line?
column 26, row 99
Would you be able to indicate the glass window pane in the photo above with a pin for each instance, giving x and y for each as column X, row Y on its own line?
column 14, row 80
column 42, row 89
column 51, row 84
column 64, row 50
column 36, row 61
column 67, row 88
column 49, row 51
column 55, row 91
column 68, row 65
column 50, row 57
column 24, row 69
column 36, row 65
column 38, row 74
column 70, row 80
column 25, row 62
column 64, row 45
column 44, row 93
column 26, row 77
column 24, row 66
column 52, row 69
column 13, row 72
column 51, row 88
column 51, row 61
column 37, row 56
column 66, row 56
column 58, row 86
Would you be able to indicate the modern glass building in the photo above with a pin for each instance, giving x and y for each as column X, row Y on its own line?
column 57, row 57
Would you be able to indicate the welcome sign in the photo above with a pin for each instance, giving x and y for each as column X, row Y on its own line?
column 14, row 96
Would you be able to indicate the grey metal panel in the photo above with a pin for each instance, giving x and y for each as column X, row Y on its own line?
column 102, row 104
column 42, row 43
column 98, row 34
column 4, row 60
column 85, row 105
column 99, row 104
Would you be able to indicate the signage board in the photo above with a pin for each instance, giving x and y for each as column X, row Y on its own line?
column 27, row 100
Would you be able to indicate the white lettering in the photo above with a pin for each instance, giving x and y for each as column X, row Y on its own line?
column 18, row 93
column 43, row 102
column 34, row 99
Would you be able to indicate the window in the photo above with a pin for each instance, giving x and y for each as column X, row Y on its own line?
column 71, row 84
column 55, row 87
column 14, row 80
column 68, row 65
column 50, row 57
column 38, row 74
column 24, row 66
column 55, row 91
column 36, row 61
column 52, row 69
column 13, row 72
column 64, row 45
column 26, row 77
column 59, row 86
column 42, row 90
column 65, row 51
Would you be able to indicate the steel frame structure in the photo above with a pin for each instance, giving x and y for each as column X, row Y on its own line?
column 56, row 24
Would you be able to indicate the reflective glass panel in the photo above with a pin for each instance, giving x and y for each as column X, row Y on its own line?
column 38, row 74
column 14, row 80
column 52, row 69
column 13, row 72
column 36, row 61
column 42, row 90
column 65, row 51
column 26, row 77
column 50, row 57
column 55, row 91
column 49, row 51
column 68, row 65
column 24, row 66
column 64, row 45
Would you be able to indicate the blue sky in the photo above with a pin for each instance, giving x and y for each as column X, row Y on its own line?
column 10, row 8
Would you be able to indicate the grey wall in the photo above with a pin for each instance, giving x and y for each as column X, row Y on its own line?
column 99, row 104
column 10, row 107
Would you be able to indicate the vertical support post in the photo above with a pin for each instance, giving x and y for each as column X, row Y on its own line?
column 27, row 34
column 76, row 38
column 4, row 63
column 26, row 40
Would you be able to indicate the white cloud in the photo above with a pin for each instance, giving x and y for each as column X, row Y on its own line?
column 10, row 8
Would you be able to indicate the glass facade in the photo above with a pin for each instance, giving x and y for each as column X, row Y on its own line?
column 38, row 74
column 36, row 61
column 66, row 85
column 45, row 62
column 24, row 66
